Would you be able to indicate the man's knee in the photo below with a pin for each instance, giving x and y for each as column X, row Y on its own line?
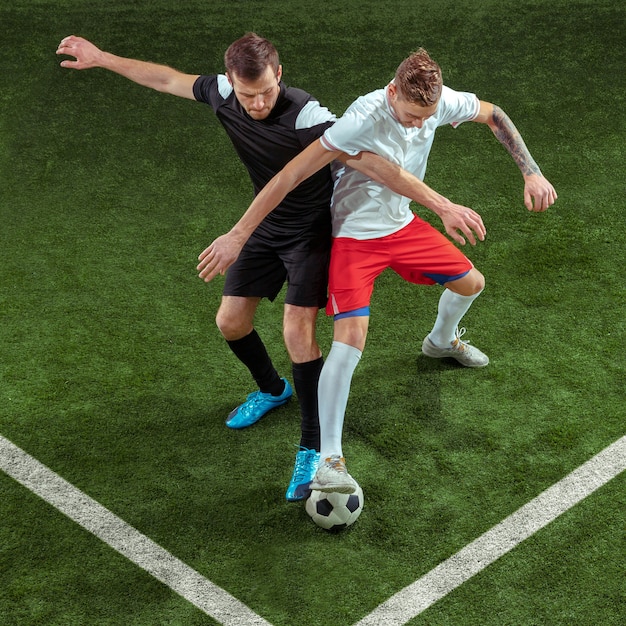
column 469, row 285
column 351, row 330
column 224, row 323
column 478, row 281
column 234, row 318
column 299, row 333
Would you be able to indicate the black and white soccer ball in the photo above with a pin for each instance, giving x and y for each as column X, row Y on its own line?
column 335, row 511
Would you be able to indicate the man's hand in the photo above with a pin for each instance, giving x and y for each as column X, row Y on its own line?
column 218, row 257
column 456, row 217
column 539, row 194
column 84, row 51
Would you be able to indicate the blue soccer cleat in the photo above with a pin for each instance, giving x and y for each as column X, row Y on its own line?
column 256, row 406
column 303, row 472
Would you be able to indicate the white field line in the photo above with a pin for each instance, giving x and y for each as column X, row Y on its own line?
column 532, row 517
column 136, row 547
column 399, row 609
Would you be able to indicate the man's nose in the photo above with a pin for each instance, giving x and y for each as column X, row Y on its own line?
column 258, row 103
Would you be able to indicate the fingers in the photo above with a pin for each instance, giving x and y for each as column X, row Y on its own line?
column 205, row 253
column 536, row 201
column 528, row 200
column 469, row 234
column 208, row 272
column 207, row 268
column 66, row 45
column 468, row 222
column 474, row 225
column 470, row 237
column 77, row 48
column 211, row 264
column 471, row 221
column 459, row 239
column 539, row 198
column 479, row 228
column 540, row 202
column 551, row 197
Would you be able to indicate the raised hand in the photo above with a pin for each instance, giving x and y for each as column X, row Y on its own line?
column 85, row 53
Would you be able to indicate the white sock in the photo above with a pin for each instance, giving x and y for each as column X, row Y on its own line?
column 332, row 391
column 452, row 307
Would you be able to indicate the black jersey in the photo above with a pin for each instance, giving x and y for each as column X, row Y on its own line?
column 266, row 146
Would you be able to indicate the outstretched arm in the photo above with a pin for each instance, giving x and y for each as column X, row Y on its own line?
column 159, row 77
column 455, row 217
column 224, row 250
column 539, row 193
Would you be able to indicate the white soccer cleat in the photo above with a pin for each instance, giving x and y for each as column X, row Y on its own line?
column 332, row 475
column 460, row 350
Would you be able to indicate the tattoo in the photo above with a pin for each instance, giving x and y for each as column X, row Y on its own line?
column 510, row 138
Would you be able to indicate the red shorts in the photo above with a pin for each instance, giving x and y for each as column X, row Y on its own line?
column 418, row 252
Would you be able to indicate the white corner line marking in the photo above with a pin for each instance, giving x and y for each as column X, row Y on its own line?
column 397, row 610
column 476, row 556
column 128, row 541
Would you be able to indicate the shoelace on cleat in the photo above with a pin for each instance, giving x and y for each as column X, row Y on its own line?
column 298, row 471
column 459, row 345
column 337, row 464
column 253, row 399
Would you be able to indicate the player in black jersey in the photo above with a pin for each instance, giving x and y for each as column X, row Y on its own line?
column 268, row 124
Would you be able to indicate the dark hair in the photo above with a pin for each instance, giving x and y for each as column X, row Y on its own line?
column 418, row 79
column 248, row 57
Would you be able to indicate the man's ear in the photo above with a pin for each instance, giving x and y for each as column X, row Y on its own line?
column 230, row 82
column 279, row 73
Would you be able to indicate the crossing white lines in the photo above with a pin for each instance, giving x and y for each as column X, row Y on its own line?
column 400, row 608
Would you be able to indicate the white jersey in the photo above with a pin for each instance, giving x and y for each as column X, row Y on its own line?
column 361, row 207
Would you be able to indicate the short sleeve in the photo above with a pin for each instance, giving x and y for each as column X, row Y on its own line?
column 212, row 89
column 352, row 133
column 456, row 107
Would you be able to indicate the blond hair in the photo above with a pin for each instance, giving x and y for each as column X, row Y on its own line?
column 418, row 79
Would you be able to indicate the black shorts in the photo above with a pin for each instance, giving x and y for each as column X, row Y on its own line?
column 266, row 261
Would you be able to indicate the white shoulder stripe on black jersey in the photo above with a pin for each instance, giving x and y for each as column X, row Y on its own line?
column 223, row 86
column 312, row 114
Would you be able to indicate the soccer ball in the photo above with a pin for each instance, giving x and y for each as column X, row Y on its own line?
column 334, row 511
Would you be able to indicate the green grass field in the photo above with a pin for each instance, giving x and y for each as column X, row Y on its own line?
column 114, row 375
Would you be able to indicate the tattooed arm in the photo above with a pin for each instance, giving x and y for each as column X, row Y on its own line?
column 539, row 193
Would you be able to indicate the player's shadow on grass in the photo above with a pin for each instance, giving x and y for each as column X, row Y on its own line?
column 391, row 398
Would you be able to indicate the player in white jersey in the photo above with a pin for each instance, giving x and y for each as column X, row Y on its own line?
column 361, row 207
column 374, row 228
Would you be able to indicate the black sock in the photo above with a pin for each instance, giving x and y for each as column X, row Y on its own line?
column 305, row 379
column 251, row 351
